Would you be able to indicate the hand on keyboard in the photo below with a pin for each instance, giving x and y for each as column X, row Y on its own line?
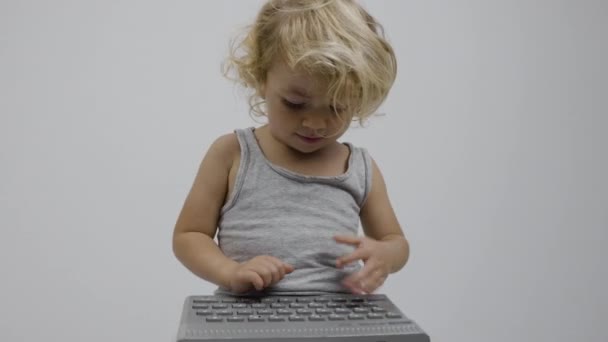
column 376, row 268
column 259, row 273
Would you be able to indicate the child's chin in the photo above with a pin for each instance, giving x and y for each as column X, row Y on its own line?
column 306, row 149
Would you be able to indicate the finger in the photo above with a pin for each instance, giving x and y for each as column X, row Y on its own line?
column 280, row 272
column 358, row 254
column 255, row 279
column 275, row 273
column 376, row 281
column 265, row 273
column 362, row 278
column 348, row 239
column 352, row 287
column 284, row 267
column 278, row 268
column 380, row 282
column 288, row 268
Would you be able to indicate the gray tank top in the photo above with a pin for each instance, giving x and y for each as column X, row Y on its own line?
column 293, row 217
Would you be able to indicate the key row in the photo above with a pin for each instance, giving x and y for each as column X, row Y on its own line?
column 281, row 305
column 294, row 318
column 283, row 312
column 208, row 300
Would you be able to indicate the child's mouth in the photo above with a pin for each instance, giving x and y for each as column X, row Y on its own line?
column 310, row 140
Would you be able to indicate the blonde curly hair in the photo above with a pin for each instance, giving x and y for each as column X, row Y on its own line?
column 335, row 40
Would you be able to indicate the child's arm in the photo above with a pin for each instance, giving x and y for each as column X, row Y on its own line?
column 385, row 249
column 196, row 227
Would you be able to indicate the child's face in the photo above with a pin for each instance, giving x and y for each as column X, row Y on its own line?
column 299, row 111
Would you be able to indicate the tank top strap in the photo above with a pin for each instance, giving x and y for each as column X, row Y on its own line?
column 249, row 141
column 249, row 161
column 362, row 171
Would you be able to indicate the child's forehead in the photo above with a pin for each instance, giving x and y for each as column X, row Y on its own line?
column 284, row 78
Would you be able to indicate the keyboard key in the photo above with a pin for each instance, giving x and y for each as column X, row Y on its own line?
column 324, row 311
column 393, row 315
column 256, row 318
column 342, row 311
column 304, row 300
column 375, row 316
column 247, row 300
column 378, row 309
column 215, row 319
column 304, row 312
column 235, row 319
column 284, row 312
column 334, row 317
column 356, row 316
column 265, row 312
column 204, row 313
column 297, row 318
column 298, row 305
column 244, row 312
column 316, row 318
column 205, row 300
column 198, row 307
column 274, row 318
column 375, row 298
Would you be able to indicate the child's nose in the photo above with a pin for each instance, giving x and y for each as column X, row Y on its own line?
column 314, row 123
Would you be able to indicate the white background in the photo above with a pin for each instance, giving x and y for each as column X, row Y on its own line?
column 493, row 147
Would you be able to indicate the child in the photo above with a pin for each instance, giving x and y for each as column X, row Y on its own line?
column 286, row 199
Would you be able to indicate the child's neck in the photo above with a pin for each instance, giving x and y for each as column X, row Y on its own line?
column 329, row 161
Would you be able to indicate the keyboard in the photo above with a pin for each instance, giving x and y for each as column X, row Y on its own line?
column 287, row 318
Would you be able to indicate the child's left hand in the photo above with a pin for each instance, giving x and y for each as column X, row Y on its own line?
column 376, row 263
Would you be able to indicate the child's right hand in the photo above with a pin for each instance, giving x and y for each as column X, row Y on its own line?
column 258, row 273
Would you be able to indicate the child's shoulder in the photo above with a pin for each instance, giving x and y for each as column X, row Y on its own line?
column 226, row 141
column 225, row 147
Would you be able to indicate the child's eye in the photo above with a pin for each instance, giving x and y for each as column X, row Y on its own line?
column 292, row 105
